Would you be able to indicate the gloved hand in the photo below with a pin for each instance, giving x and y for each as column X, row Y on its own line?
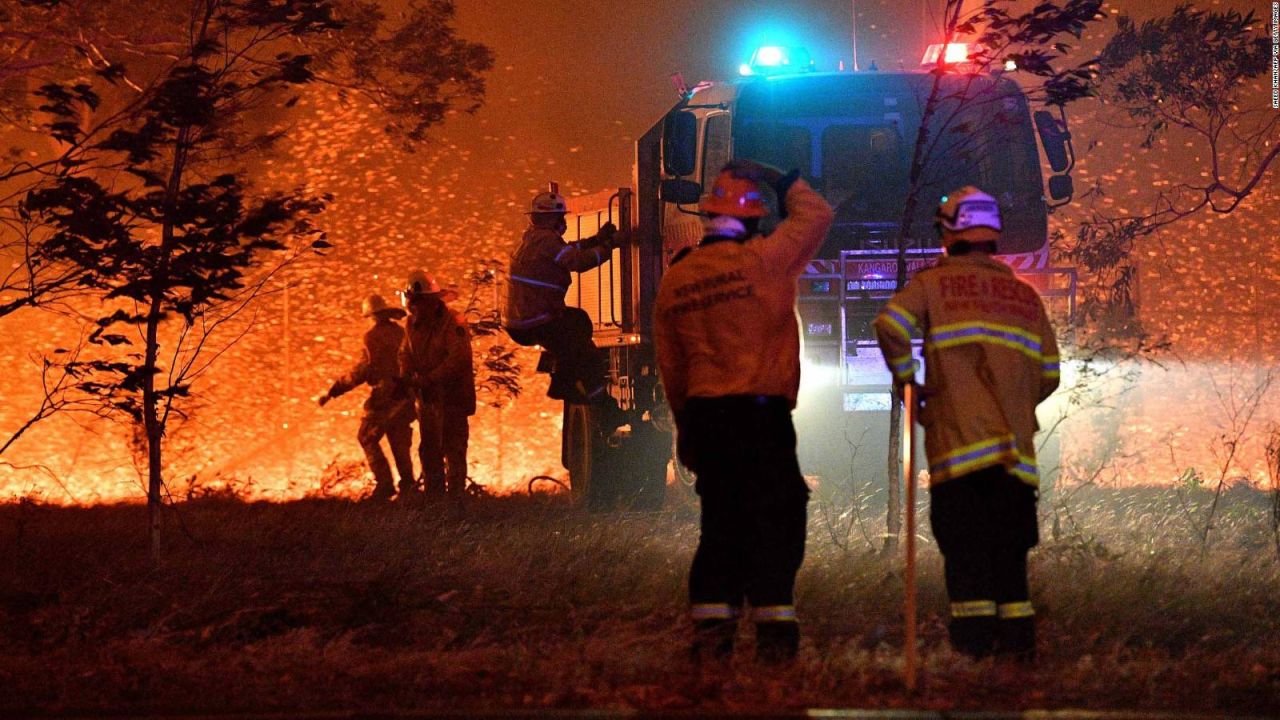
column 921, row 394
column 761, row 173
column 607, row 234
column 324, row 399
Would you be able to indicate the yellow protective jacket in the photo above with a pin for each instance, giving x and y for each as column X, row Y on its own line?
column 378, row 367
column 725, row 317
column 990, row 357
column 436, row 359
column 540, row 277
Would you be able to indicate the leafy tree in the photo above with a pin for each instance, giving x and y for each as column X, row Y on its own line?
column 417, row 71
column 147, row 210
column 93, row 66
column 59, row 390
column 1188, row 74
column 951, row 127
column 498, row 378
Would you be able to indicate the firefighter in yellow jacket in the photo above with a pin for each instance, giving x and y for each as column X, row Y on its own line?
column 388, row 411
column 990, row 358
column 728, row 348
column 435, row 361
column 536, row 313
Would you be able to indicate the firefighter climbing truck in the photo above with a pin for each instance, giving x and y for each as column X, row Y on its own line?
column 852, row 135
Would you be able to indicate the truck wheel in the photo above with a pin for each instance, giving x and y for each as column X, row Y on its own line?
column 577, row 439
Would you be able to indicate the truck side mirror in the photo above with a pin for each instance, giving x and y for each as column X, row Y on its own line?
column 1054, row 140
column 680, row 192
column 680, row 143
column 1061, row 188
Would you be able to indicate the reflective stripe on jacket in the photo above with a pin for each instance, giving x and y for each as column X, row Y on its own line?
column 436, row 359
column 725, row 316
column 990, row 358
column 540, row 277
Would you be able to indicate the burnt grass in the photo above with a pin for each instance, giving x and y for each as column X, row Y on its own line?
column 529, row 602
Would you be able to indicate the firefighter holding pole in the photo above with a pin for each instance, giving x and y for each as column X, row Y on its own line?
column 728, row 349
column 436, row 363
column 990, row 359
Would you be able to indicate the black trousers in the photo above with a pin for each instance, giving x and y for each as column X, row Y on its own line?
column 568, row 337
column 743, row 450
column 443, row 435
column 985, row 523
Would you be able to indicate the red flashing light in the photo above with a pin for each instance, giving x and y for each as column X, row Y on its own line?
column 957, row 53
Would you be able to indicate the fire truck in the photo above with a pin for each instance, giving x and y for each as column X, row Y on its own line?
column 852, row 136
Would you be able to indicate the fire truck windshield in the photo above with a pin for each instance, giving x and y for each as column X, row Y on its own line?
column 853, row 135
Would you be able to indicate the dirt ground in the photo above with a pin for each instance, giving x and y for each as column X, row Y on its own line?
column 523, row 602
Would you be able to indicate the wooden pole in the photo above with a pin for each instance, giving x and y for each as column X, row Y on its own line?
column 911, row 664
column 893, row 504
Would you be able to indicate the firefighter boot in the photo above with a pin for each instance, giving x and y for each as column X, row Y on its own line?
column 973, row 636
column 1016, row 639
column 777, row 642
column 410, row 490
column 713, row 639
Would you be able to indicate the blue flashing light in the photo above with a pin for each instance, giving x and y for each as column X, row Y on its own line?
column 776, row 60
column 770, row 56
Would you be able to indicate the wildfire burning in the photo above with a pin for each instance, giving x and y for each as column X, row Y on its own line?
column 255, row 429
column 1203, row 409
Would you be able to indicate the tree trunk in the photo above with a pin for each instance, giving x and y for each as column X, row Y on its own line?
column 893, row 516
column 153, row 421
column 155, row 433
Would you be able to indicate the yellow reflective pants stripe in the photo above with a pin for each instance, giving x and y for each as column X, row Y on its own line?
column 973, row 608
column 1013, row 610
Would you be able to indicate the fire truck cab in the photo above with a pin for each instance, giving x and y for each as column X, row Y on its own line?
column 852, row 136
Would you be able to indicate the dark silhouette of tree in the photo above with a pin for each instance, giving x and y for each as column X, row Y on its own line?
column 950, row 129
column 1186, row 73
column 60, row 392
column 417, row 70
column 147, row 210
column 93, row 65
column 498, row 370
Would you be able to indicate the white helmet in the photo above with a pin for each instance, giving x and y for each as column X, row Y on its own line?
column 969, row 214
column 375, row 304
column 420, row 283
column 550, row 201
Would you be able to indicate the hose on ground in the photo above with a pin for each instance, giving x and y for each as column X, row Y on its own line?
column 546, row 478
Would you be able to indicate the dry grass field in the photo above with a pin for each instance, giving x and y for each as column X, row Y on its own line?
column 530, row 602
